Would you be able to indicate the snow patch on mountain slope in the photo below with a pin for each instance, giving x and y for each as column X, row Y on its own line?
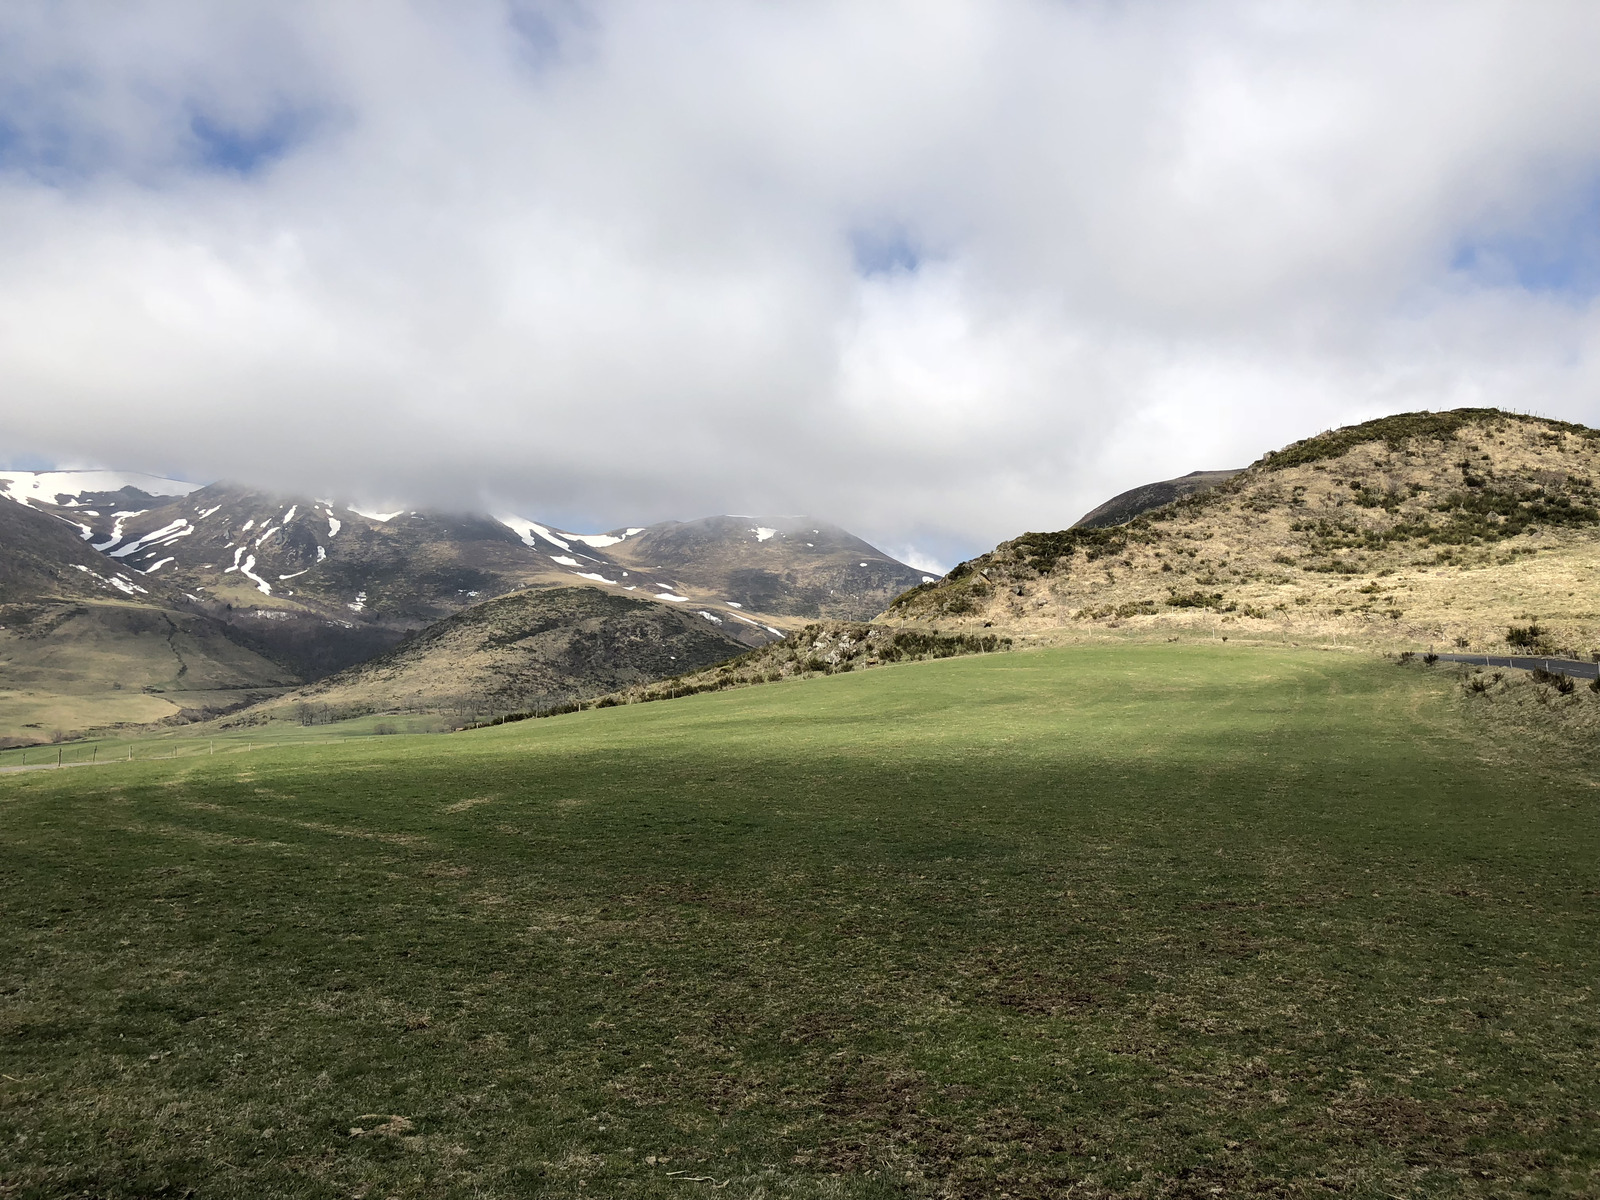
column 377, row 516
column 119, row 519
column 601, row 540
column 525, row 529
column 164, row 536
column 49, row 486
column 248, row 571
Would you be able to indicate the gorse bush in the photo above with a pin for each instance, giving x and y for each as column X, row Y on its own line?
column 1195, row 599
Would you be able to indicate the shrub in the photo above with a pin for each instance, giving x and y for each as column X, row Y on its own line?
column 1042, row 551
column 1529, row 636
column 1195, row 599
column 1430, row 658
column 1562, row 683
column 1406, row 656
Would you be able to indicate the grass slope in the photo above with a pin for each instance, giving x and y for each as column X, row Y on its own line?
column 1157, row 921
column 70, row 666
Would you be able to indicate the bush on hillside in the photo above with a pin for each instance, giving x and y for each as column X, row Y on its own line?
column 1195, row 599
column 1526, row 637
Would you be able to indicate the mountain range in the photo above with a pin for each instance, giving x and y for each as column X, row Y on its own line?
column 130, row 599
column 267, row 592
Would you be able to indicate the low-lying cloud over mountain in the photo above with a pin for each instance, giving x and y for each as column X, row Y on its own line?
column 940, row 271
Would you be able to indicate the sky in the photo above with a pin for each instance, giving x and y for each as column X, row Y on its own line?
column 938, row 271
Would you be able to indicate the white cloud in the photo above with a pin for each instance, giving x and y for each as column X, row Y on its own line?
column 938, row 271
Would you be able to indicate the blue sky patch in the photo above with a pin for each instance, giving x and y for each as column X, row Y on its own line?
column 246, row 149
column 1558, row 254
column 546, row 29
column 883, row 251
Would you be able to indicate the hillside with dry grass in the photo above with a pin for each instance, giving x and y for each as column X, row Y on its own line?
column 1473, row 528
column 530, row 650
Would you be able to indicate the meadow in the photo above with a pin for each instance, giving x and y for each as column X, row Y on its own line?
column 1114, row 920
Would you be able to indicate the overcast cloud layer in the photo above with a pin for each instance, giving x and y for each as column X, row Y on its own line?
column 939, row 271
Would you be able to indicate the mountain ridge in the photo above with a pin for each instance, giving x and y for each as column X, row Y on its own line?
column 1127, row 505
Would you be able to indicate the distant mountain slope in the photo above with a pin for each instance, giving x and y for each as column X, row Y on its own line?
column 231, row 545
column 1125, row 506
column 529, row 650
column 302, row 587
column 794, row 567
column 1472, row 527
column 42, row 558
column 70, row 665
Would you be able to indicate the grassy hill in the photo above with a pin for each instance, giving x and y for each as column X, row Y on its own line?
column 1153, row 920
column 529, row 650
column 1471, row 528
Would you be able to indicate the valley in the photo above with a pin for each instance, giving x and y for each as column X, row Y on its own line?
column 1108, row 920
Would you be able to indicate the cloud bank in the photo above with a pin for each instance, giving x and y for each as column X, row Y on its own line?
column 939, row 271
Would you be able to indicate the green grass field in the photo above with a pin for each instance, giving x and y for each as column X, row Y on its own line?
column 1131, row 921
column 197, row 741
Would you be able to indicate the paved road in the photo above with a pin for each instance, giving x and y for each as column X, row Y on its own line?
column 1523, row 662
